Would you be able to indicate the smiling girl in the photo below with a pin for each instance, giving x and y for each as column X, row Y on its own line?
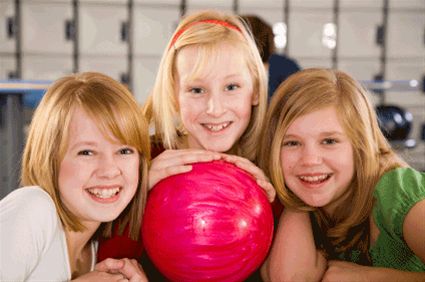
column 208, row 102
column 84, row 166
column 354, row 210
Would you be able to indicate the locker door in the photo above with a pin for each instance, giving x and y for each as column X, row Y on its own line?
column 309, row 25
column 101, row 28
column 44, row 27
column 145, row 69
column 153, row 28
column 7, row 26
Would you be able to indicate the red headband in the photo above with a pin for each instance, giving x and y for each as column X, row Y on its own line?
column 219, row 22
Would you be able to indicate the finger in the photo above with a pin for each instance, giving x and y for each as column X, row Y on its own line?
column 175, row 162
column 132, row 271
column 109, row 265
column 268, row 188
column 183, row 152
column 181, row 157
column 247, row 165
column 156, row 175
column 137, row 264
column 120, row 277
column 168, row 171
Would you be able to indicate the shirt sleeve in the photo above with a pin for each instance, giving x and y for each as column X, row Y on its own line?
column 396, row 193
column 28, row 220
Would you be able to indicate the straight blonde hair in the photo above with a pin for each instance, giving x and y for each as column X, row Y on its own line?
column 162, row 108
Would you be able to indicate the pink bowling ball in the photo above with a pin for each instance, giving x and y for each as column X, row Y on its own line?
column 213, row 223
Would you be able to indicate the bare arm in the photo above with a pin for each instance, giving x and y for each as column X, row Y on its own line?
column 414, row 229
column 342, row 271
column 293, row 256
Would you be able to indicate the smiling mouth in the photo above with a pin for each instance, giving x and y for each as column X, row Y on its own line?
column 216, row 127
column 104, row 193
column 316, row 179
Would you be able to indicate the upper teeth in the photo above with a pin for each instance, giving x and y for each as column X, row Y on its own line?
column 217, row 127
column 314, row 178
column 104, row 193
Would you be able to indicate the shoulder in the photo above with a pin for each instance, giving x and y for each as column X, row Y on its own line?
column 406, row 181
column 397, row 191
column 29, row 209
column 27, row 200
column 29, row 223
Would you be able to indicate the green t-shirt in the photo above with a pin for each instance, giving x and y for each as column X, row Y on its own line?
column 395, row 194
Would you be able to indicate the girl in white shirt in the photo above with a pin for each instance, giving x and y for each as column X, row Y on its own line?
column 85, row 162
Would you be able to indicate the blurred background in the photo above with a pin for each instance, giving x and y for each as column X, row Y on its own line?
column 379, row 42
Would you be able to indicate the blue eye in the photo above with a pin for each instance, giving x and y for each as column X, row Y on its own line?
column 85, row 153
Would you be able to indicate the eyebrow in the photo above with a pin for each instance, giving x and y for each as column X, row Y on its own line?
column 332, row 133
column 325, row 133
column 83, row 143
column 202, row 78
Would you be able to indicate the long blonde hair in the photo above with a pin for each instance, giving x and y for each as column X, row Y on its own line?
column 308, row 91
column 114, row 109
column 161, row 108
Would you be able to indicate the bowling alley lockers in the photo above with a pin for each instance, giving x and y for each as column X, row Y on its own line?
column 370, row 39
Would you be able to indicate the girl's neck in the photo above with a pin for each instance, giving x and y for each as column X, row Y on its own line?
column 79, row 249
column 333, row 208
column 183, row 142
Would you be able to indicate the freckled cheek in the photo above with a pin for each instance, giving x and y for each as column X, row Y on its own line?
column 288, row 160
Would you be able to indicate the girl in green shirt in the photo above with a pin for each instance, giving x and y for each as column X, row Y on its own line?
column 354, row 210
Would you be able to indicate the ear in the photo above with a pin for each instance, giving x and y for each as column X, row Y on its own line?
column 255, row 99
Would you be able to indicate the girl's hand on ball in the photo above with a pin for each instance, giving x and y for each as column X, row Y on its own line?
column 262, row 180
column 172, row 162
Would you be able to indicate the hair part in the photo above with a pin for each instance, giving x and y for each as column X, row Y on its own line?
column 311, row 90
column 114, row 109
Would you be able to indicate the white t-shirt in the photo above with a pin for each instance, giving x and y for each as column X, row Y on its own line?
column 32, row 240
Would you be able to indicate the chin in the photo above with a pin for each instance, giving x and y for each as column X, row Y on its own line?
column 218, row 149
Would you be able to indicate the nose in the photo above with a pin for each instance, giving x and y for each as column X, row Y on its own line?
column 311, row 155
column 215, row 105
column 108, row 167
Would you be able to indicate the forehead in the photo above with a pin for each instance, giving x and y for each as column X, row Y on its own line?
column 81, row 123
column 321, row 120
column 203, row 61
column 83, row 126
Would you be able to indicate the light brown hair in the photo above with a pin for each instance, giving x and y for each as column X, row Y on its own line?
column 308, row 91
column 114, row 109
